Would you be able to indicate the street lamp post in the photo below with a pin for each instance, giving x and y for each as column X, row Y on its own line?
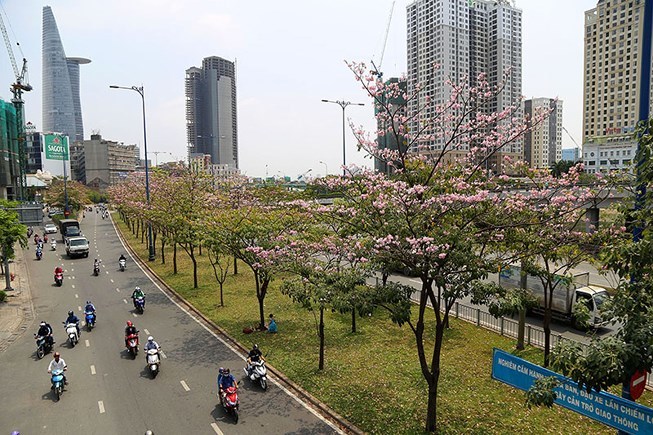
column 150, row 240
column 344, row 105
column 326, row 169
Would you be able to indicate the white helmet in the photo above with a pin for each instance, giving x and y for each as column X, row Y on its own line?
column 150, row 338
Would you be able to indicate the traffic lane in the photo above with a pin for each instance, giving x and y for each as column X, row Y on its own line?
column 556, row 327
column 194, row 356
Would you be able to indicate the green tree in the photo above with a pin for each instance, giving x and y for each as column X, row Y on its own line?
column 77, row 193
column 11, row 232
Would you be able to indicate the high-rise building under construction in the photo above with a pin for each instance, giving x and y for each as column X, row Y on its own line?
column 211, row 122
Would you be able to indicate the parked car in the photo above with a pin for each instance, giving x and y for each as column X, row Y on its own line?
column 54, row 211
column 50, row 228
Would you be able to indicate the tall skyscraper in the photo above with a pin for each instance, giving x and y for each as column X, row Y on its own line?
column 62, row 108
column 464, row 38
column 211, row 111
column 543, row 142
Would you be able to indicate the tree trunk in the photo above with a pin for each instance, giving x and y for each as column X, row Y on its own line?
column 174, row 258
column 433, row 380
column 321, row 334
column 7, row 272
column 546, row 325
column 192, row 257
column 384, row 277
column 200, row 247
column 353, row 320
column 163, row 250
column 235, row 266
column 261, row 290
column 520, row 329
column 221, row 296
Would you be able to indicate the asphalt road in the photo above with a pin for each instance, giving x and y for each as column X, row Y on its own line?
column 108, row 392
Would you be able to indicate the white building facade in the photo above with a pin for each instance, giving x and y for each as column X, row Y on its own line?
column 543, row 142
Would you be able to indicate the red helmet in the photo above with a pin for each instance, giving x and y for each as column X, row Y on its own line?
column 129, row 323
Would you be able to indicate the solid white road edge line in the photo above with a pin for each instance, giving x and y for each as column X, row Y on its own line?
column 229, row 346
column 185, row 385
column 100, row 405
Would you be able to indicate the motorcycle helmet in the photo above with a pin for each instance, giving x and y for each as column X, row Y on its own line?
column 70, row 313
column 137, row 289
column 150, row 338
column 256, row 347
column 129, row 323
column 221, row 371
column 42, row 323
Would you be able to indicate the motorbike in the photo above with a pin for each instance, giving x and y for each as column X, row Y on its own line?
column 57, row 382
column 58, row 279
column 39, row 253
column 123, row 264
column 96, row 269
column 139, row 303
column 90, row 320
column 53, row 245
column 132, row 344
column 153, row 362
column 258, row 372
column 71, row 331
column 42, row 346
column 230, row 402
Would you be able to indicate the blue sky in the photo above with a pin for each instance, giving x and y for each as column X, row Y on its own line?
column 290, row 54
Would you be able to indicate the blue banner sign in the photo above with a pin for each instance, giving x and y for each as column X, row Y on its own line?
column 604, row 407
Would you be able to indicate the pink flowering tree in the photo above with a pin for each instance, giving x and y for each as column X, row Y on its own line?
column 252, row 226
column 441, row 212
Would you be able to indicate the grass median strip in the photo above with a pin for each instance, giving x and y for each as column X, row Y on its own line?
column 372, row 377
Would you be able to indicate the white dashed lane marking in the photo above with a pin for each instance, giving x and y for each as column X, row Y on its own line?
column 134, row 314
column 216, row 429
column 76, row 296
column 146, row 332
column 92, row 370
column 100, row 405
column 185, row 385
column 87, row 343
column 73, row 285
column 124, row 300
column 118, row 290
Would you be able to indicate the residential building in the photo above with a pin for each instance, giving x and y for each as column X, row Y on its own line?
column 609, row 153
column 211, row 122
column 107, row 163
column 611, row 76
column 543, row 142
column 394, row 104
column 571, row 154
column 465, row 39
column 62, row 108
column 9, row 167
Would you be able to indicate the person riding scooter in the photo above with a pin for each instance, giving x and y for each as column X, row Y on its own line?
column 130, row 329
column 151, row 344
column 90, row 308
column 58, row 364
column 138, row 293
column 72, row 318
column 255, row 355
column 225, row 380
column 45, row 331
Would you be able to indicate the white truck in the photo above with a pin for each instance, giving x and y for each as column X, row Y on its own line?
column 565, row 296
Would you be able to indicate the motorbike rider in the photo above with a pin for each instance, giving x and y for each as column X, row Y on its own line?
column 58, row 364
column 255, row 355
column 130, row 329
column 58, row 269
column 122, row 258
column 96, row 264
column 90, row 308
column 151, row 344
column 138, row 293
column 72, row 318
column 225, row 380
column 45, row 331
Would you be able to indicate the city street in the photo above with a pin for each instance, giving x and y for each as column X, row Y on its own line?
column 108, row 391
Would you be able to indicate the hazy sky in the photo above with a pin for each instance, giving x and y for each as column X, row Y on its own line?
column 290, row 54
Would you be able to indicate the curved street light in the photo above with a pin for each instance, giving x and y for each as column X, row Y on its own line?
column 344, row 105
column 141, row 92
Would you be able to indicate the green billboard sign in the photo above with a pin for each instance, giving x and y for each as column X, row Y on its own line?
column 56, row 147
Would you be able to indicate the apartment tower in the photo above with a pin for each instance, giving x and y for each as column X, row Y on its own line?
column 543, row 142
column 62, row 107
column 464, row 38
column 211, row 123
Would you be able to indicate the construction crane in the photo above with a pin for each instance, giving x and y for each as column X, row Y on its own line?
column 21, row 85
column 571, row 137
column 377, row 70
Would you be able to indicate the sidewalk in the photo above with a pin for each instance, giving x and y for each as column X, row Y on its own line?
column 17, row 312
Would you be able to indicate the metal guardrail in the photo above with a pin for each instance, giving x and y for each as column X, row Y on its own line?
column 533, row 335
